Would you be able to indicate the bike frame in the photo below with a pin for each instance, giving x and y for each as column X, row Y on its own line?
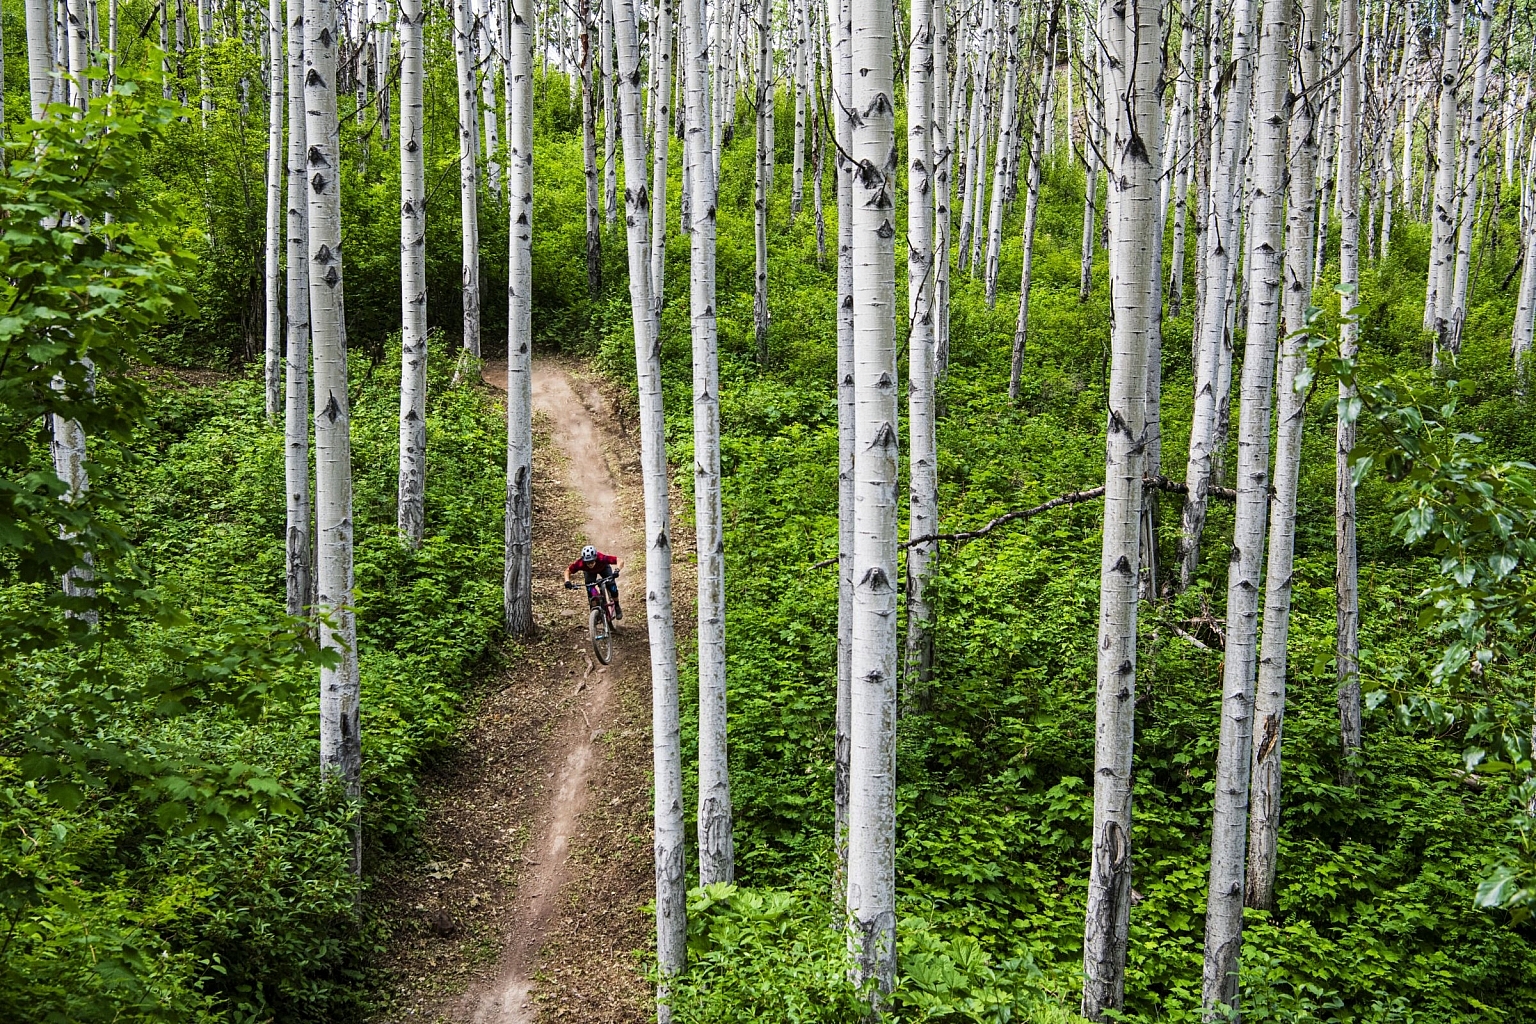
column 599, row 596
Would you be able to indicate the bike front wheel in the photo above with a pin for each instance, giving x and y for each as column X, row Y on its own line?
column 601, row 632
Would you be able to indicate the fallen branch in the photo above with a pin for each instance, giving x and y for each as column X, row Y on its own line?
column 1156, row 483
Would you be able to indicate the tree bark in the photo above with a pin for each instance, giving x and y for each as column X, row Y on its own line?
column 1032, row 207
column 1269, row 694
column 298, row 548
column 872, row 761
column 341, row 753
column 517, row 569
column 661, row 138
column 763, row 169
column 1229, row 828
column 1456, row 309
column 716, row 846
column 413, row 280
column 943, row 153
column 671, row 905
column 39, row 14
column 840, row 15
column 1132, row 35
column 1442, row 260
column 589, row 153
column 1007, row 130
column 1346, row 586
column 923, row 481
column 469, row 199
column 1184, row 105
column 611, row 126
column 802, row 88
column 272, row 367
column 1221, row 236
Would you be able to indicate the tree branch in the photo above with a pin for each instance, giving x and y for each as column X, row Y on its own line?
column 1156, row 483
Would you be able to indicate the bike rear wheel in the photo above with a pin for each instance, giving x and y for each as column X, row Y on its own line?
column 602, row 635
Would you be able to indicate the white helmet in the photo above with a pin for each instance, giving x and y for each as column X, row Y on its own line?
column 589, row 553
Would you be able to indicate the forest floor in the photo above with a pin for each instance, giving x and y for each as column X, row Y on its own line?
column 538, row 822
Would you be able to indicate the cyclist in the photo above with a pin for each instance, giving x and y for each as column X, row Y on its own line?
column 594, row 566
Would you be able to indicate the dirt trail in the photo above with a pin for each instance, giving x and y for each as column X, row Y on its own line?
column 544, row 810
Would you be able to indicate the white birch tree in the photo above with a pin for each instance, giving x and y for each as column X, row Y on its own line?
column 716, row 846
column 273, row 247
column 671, row 906
column 872, row 759
column 1131, row 35
column 840, row 20
column 39, row 56
column 1220, row 241
column 469, row 175
column 1007, row 130
column 517, row 567
column 298, row 546
column 1037, row 149
column 661, row 139
column 341, row 754
column 1472, row 158
column 1269, row 692
column 1265, row 266
column 1346, row 568
column 1442, row 258
column 762, row 175
column 611, row 126
column 923, row 480
column 411, row 495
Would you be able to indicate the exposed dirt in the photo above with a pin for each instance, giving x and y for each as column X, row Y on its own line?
column 539, row 824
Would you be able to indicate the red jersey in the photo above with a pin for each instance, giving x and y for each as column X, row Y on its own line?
column 601, row 570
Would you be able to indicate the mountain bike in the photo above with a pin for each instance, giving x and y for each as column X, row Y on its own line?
column 600, row 605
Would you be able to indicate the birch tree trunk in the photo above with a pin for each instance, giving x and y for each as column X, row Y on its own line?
column 341, row 753
column 1132, row 39
column 943, row 153
column 1269, row 695
column 671, row 907
column 1221, row 236
column 469, row 199
column 1002, row 167
column 1229, row 827
column 488, row 61
column 970, row 113
column 661, row 128
column 1184, row 90
column 274, row 234
column 763, row 170
column 298, row 550
column 517, row 570
column 75, row 36
column 1346, row 585
column 802, row 88
column 39, row 56
column 1525, row 309
column 716, row 848
column 872, row 762
column 840, row 15
column 611, row 126
column 1093, row 141
column 1032, row 207
column 923, row 480
column 1441, row 253
column 589, row 153
column 1456, row 309
column 411, row 498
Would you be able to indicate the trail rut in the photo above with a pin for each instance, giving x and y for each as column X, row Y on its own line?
column 530, row 906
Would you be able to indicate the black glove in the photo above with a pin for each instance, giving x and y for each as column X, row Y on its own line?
column 569, row 585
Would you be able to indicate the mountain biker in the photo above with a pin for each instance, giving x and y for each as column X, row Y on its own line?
column 594, row 566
